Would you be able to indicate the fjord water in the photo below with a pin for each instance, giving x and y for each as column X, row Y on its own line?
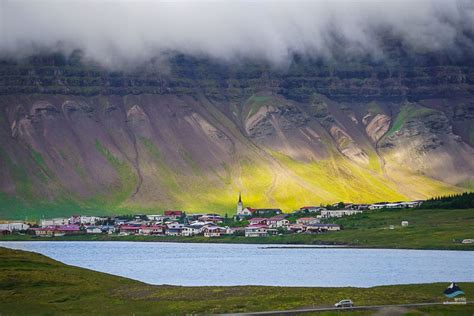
column 194, row 264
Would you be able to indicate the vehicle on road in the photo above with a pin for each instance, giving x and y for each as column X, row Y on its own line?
column 344, row 303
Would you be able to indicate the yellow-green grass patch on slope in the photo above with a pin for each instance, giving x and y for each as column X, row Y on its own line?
column 340, row 180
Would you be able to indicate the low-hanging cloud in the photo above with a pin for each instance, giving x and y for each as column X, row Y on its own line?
column 122, row 32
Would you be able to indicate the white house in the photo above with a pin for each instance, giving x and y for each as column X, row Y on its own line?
column 200, row 223
column 59, row 221
column 85, row 220
column 156, row 218
column 93, row 230
column 151, row 230
column 412, row 204
column 278, row 221
column 404, row 223
column 322, row 227
column 214, row 231
column 256, row 231
column 192, row 230
column 174, row 225
column 339, row 213
column 308, row 220
column 14, row 226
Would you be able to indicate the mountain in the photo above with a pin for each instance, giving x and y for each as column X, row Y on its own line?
column 192, row 132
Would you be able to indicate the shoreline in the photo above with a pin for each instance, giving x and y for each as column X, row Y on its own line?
column 265, row 244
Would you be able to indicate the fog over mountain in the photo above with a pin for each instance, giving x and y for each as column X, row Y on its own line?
column 117, row 33
column 142, row 106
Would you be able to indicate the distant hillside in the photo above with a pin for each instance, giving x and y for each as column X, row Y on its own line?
column 79, row 138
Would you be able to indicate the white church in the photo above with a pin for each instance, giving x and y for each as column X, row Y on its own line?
column 241, row 211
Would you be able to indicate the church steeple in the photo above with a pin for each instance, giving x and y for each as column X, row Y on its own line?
column 240, row 204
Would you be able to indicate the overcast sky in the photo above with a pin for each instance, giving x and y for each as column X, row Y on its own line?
column 114, row 32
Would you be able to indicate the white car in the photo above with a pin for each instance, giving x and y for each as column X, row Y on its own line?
column 344, row 303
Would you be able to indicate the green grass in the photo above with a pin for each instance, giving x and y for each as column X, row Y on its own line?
column 34, row 284
column 255, row 102
column 127, row 177
column 20, row 177
column 26, row 204
column 407, row 112
column 43, row 173
column 167, row 176
column 428, row 229
column 37, row 158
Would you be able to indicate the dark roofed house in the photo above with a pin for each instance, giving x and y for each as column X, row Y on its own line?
column 258, row 221
column 211, row 218
column 317, row 228
column 174, row 231
column 266, row 211
column 311, row 209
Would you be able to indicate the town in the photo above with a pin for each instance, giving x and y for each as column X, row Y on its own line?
column 248, row 222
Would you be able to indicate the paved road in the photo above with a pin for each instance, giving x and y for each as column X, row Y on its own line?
column 326, row 309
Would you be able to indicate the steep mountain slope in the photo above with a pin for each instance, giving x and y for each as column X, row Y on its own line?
column 77, row 139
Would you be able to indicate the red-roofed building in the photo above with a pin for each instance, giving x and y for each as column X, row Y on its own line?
column 62, row 230
column 246, row 212
column 129, row 229
column 173, row 214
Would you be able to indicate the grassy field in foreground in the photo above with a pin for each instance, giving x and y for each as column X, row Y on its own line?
column 428, row 229
column 34, row 284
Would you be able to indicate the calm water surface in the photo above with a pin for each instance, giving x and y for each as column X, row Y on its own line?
column 231, row 264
